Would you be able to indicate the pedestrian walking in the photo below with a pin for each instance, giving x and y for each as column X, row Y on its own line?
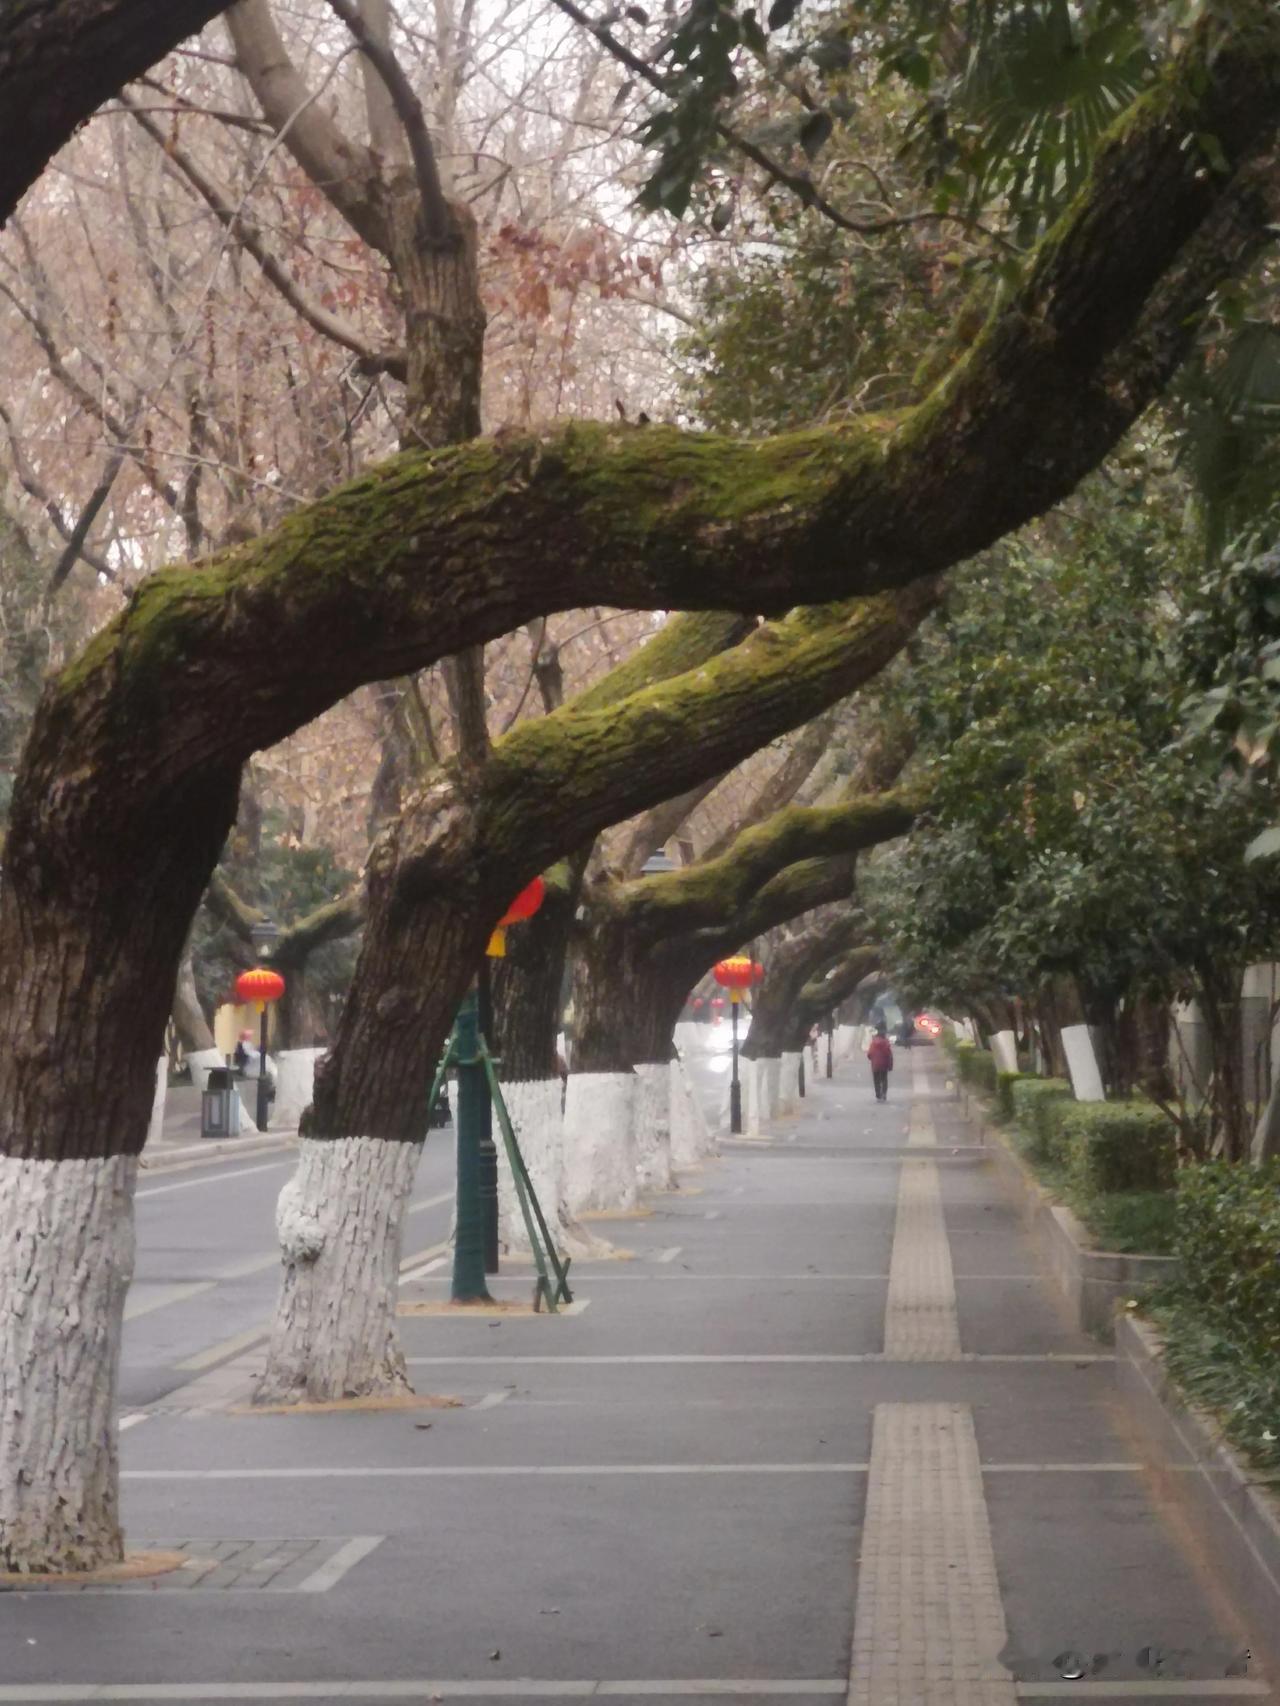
column 880, row 1055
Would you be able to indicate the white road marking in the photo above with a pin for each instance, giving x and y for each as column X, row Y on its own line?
column 345, row 1558
column 521, row 1688
column 430, row 1202
column 426, row 1268
column 928, row 1622
column 1058, row 1358
column 669, row 1254
column 140, row 1303
column 244, row 1341
column 222, row 1350
column 210, row 1179
column 491, row 1400
column 131, row 1420
column 1223, row 1688
column 433, row 1471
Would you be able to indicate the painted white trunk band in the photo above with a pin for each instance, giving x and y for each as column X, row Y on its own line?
column 66, row 1259
column 928, row 1624
column 339, row 1220
column 599, row 1142
column 653, row 1127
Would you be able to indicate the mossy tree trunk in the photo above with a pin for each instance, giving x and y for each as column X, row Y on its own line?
column 127, row 785
column 788, row 969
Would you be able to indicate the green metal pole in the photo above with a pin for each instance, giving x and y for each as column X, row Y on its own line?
column 474, row 1128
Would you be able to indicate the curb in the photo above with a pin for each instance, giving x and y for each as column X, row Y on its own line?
column 213, row 1149
column 1239, row 1515
column 1093, row 1282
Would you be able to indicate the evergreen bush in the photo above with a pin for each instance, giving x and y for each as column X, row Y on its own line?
column 1227, row 1232
column 1117, row 1146
column 1037, row 1104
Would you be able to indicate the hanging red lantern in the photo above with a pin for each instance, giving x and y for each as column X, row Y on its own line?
column 757, row 972
column 697, row 1003
column 258, row 986
column 523, row 906
column 735, row 975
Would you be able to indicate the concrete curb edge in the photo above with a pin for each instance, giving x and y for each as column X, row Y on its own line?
column 1239, row 1514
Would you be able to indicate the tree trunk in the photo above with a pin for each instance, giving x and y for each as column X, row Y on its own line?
column 93, row 921
column 127, row 785
column 67, row 1258
column 339, row 1221
column 188, row 1015
column 60, row 59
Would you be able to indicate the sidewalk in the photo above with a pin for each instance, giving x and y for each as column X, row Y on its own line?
column 825, row 1437
column 179, row 1142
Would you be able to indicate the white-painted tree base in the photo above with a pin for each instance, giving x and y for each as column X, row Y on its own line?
column 1082, row 1063
column 846, row 1040
column 339, row 1221
column 66, row 1258
column 692, row 1141
column 538, row 1123
column 295, row 1086
column 155, row 1126
column 759, row 1092
column 202, row 1061
column 599, row 1142
column 653, row 1127
column 1004, row 1046
column 789, row 1083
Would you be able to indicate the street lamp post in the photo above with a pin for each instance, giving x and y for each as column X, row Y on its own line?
column 831, row 1028
column 475, row 1250
column 736, row 975
column 264, row 934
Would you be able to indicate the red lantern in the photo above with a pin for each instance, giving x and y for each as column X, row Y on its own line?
column 697, row 1003
column 258, row 986
column 523, row 906
column 757, row 972
column 737, row 974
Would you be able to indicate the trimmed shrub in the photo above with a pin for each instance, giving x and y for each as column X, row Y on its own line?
column 1005, row 1082
column 1227, row 1232
column 977, row 1069
column 1117, row 1146
column 1037, row 1106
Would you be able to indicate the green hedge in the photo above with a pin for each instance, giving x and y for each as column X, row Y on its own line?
column 1227, row 1232
column 1117, row 1146
column 1036, row 1105
column 1005, row 1082
column 977, row 1068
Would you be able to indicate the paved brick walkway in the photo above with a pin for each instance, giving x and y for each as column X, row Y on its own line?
column 825, row 1435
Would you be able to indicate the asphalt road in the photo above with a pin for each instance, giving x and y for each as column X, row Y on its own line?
column 208, row 1263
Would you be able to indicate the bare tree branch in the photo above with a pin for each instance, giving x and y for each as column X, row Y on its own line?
column 239, row 226
column 438, row 221
column 345, row 172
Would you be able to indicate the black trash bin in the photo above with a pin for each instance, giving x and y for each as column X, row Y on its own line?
column 220, row 1104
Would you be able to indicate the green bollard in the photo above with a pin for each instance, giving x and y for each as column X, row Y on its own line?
column 474, row 1130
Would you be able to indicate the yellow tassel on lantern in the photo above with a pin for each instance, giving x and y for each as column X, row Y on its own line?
column 497, row 948
column 735, row 995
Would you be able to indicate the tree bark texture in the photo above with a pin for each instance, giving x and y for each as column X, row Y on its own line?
column 60, row 59
column 65, row 1265
column 339, row 1220
column 127, row 785
column 528, row 981
column 439, row 879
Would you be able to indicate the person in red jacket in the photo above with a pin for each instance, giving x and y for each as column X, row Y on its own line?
column 880, row 1055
